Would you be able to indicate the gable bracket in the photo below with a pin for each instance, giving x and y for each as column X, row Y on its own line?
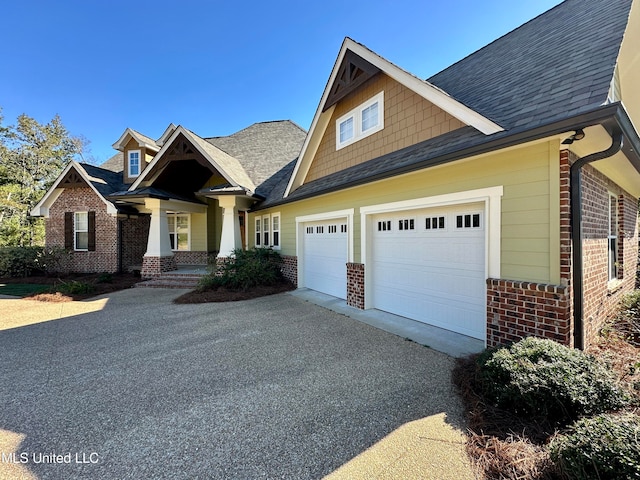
column 353, row 72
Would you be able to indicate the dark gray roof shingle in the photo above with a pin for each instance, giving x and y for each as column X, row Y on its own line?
column 559, row 64
column 263, row 148
column 115, row 163
column 110, row 181
column 555, row 67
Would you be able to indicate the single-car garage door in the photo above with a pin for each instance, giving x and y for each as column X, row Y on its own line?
column 429, row 265
column 325, row 257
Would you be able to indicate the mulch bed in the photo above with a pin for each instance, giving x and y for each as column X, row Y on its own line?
column 503, row 445
column 118, row 281
column 225, row 295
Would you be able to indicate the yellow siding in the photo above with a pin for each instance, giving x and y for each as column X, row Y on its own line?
column 408, row 119
column 528, row 205
column 199, row 232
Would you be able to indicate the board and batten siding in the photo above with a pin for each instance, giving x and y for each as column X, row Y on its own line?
column 530, row 245
column 198, row 232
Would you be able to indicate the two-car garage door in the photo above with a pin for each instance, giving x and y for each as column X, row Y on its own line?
column 429, row 265
column 425, row 264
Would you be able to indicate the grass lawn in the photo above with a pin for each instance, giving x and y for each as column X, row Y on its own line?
column 22, row 289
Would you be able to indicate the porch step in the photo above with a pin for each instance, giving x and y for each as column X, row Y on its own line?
column 172, row 280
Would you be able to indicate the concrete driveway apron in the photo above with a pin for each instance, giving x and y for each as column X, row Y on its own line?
column 131, row 385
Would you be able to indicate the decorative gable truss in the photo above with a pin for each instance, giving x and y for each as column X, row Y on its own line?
column 354, row 67
column 73, row 176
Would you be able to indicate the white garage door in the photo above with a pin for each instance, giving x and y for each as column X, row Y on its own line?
column 429, row 265
column 325, row 257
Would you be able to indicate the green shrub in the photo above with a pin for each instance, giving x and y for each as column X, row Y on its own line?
column 105, row 277
column 628, row 320
column 603, row 447
column 18, row 261
column 246, row 269
column 49, row 259
column 74, row 287
column 543, row 378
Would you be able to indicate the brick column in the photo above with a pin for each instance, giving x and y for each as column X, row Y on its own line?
column 355, row 285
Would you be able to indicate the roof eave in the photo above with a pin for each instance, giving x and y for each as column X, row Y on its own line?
column 604, row 115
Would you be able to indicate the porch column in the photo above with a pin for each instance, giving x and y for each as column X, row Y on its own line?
column 230, row 238
column 159, row 257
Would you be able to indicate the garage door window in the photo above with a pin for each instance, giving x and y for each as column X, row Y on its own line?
column 434, row 223
column 406, row 224
column 472, row 220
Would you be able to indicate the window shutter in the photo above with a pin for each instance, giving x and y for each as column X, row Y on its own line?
column 68, row 230
column 91, row 243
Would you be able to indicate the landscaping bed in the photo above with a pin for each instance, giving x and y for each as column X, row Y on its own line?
column 66, row 288
column 222, row 294
column 540, row 428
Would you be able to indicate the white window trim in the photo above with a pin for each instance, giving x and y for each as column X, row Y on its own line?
column 260, row 220
column 139, row 152
column 175, row 215
column 257, row 239
column 76, row 231
column 356, row 114
column 612, row 280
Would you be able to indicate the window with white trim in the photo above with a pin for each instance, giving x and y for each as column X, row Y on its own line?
column 133, row 162
column 275, row 229
column 469, row 220
column 81, row 231
column 268, row 231
column 360, row 122
column 258, row 231
column 435, row 223
column 265, row 231
column 179, row 231
column 613, row 237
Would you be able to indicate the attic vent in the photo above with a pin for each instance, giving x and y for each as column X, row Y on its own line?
column 353, row 72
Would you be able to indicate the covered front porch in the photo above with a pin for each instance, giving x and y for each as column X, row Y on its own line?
column 196, row 197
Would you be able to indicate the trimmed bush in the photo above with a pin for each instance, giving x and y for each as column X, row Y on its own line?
column 18, row 261
column 543, row 378
column 246, row 269
column 627, row 322
column 74, row 287
column 602, row 447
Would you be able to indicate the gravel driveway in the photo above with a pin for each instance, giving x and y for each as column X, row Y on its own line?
column 275, row 387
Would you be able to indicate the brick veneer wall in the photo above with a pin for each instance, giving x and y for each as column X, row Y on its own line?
column 355, row 285
column 601, row 297
column 135, row 233
column 155, row 266
column 191, row 258
column 290, row 268
column 517, row 310
column 105, row 256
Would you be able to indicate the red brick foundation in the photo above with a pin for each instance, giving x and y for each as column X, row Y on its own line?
column 516, row 310
column 154, row 266
column 355, row 285
column 191, row 258
column 290, row 268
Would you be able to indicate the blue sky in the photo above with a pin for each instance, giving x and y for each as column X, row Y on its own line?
column 216, row 67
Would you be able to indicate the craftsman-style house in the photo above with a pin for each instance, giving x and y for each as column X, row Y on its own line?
column 497, row 199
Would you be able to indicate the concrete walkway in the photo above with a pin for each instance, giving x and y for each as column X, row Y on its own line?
column 275, row 387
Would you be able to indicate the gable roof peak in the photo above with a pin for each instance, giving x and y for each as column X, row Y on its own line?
column 143, row 140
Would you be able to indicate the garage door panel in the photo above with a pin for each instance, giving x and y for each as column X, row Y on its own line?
column 325, row 257
column 436, row 276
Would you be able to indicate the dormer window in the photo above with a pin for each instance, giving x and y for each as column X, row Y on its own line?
column 133, row 162
column 360, row 122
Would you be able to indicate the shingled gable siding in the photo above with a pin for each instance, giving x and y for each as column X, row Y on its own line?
column 105, row 256
column 408, row 119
